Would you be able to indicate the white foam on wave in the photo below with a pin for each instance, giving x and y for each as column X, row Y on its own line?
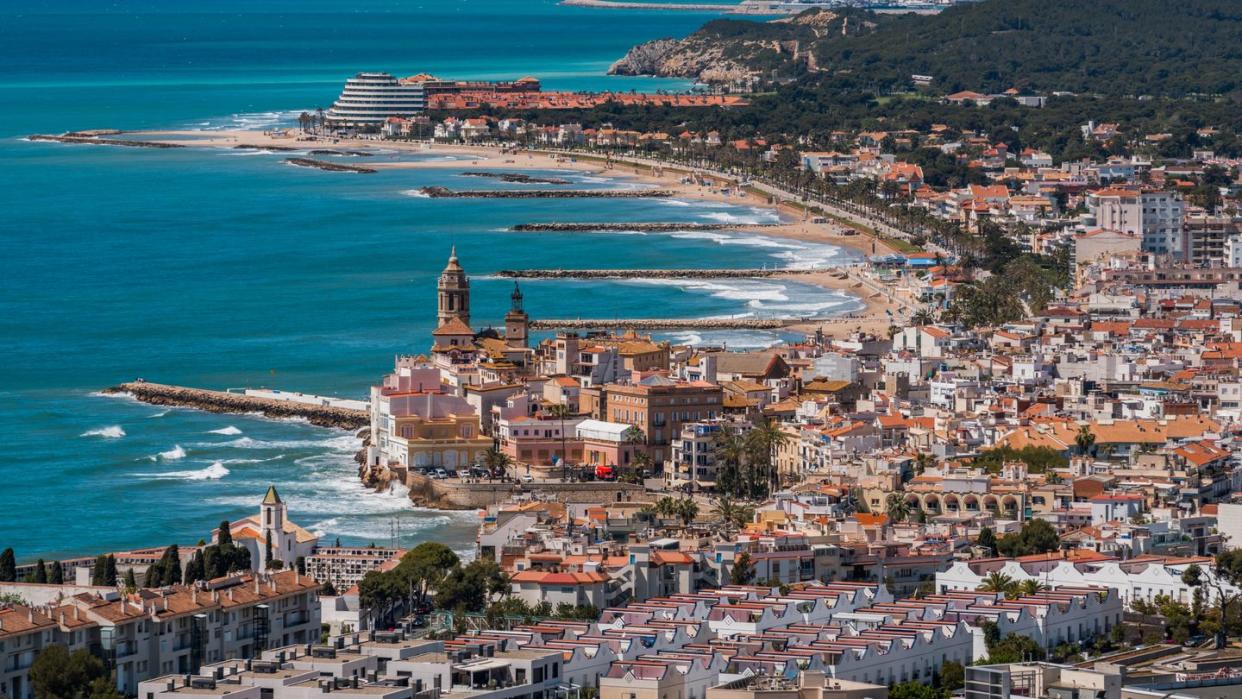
column 676, row 202
column 175, row 454
column 728, row 289
column 344, row 443
column 278, row 457
column 417, row 193
column 162, row 413
column 230, row 430
column 110, row 432
column 214, row 472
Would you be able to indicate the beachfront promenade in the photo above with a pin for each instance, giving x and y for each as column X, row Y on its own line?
column 739, row 273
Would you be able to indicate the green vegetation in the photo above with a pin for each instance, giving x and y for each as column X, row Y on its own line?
column 1036, row 536
column 8, row 566
column 59, row 674
column 743, row 570
column 1037, row 459
column 517, row 607
column 747, row 462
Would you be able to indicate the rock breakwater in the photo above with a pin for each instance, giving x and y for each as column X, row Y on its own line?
column 330, row 167
column 97, row 141
column 517, row 177
column 446, row 193
column 655, row 227
column 223, row 402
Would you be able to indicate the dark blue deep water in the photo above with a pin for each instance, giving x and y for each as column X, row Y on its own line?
column 224, row 269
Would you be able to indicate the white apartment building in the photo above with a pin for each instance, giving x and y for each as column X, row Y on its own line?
column 1156, row 215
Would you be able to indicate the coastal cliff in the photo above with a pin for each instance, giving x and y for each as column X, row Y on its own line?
column 740, row 52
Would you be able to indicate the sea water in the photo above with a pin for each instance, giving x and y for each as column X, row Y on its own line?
column 223, row 269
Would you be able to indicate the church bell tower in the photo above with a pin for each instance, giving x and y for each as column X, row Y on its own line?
column 453, row 293
column 517, row 323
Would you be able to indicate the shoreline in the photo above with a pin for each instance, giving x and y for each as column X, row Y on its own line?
column 795, row 223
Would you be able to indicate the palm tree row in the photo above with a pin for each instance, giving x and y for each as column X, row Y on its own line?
column 1012, row 589
column 685, row 509
column 747, row 462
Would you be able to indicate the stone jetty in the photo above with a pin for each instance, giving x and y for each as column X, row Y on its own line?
column 330, row 167
column 329, row 151
column 224, row 402
column 517, row 177
column 446, row 193
column 669, row 323
column 654, row 227
column 753, row 273
column 271, row 147
column 97, row 141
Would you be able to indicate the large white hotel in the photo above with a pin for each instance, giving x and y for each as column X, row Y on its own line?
column 371, row 98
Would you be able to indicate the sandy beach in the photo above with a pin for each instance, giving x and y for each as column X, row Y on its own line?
column 875, row 318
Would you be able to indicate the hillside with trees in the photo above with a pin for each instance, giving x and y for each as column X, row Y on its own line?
column 1108, row 47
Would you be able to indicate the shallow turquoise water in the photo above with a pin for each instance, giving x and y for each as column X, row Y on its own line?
column 225, row 269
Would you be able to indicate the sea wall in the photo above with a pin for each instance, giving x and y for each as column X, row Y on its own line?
column 454, row 495
column 223, row 402
column 653, row 227
column 446, row 193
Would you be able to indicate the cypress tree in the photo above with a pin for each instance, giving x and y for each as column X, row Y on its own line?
column 226, row 534
column 57, row 576
column 212, row 563
column 267, row 550
column 154, row 576
column 195, row 570
column 8, row 566
column 97, row 571
column 110, row 571
column 171, row 563
column 40, row 572
column 130, row 582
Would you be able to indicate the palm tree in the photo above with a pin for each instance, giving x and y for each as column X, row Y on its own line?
column 1085, row 439
column 1030, row 587
column 996, row 582
column 922, row 317
column 922, row 462
column 730, row 448
column 732, row 513
column 561, row 411
column 497, row 463
column 687, row 509
column 896, row 507
column 765, row 439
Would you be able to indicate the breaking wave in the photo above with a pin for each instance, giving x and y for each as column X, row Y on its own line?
column 111, row 432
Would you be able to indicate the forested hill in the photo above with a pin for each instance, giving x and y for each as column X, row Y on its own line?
column 1115, row 47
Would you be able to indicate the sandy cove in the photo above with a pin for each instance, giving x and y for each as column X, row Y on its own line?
column 797, row 226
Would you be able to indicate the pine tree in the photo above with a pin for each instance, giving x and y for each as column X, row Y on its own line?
column 110, row 576
column 40, row 572
column 97, row 571
column 57, row 576
column 8, row 566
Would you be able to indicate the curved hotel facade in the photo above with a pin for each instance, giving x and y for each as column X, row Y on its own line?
column 371, row 98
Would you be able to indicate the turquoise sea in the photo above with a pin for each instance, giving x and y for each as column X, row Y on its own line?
column 224, row 269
